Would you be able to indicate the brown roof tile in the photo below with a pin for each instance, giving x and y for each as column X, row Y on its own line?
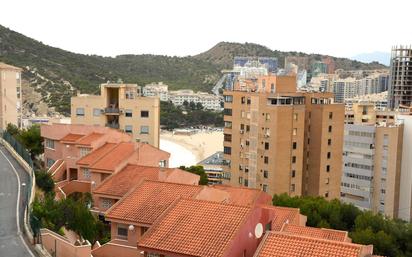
column 117, row 155
column 95, row 155
column 87, row 140
column 283, row 215
column 149, row 200
column 71, row 138
column 330, row 234
column 195, row 228
column 278, row 244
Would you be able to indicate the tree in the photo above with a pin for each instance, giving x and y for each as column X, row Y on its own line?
column 199, row 170
column 13, row 130
column 199, row 106
column 44, row 181
column 32, row 140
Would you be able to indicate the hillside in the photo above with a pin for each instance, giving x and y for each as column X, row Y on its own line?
column 56, row 73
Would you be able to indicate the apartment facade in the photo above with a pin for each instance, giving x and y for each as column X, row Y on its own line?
column 120, row 106
column 208, row 101
column 157, row 89
column 213, row 166
column 10, row 95
column 282, row 141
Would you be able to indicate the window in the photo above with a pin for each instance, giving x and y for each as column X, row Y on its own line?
column 327, row 181
column 228, row 98
column 327, row 168
column 329, row 141
column 106, row 203
column 227, row 150
column 327, row 194
column 86, row 173
column 162, row 163
column 248, row 100
column 242, row 100
column 49, row 143
column 266, row 160
column 292, row 188
column 227, row 137
column 122, row 231
column 328, row 155
column 246, row 183
column 267, row 116
column 49, row 162
column 330, row 129
column 144, row 129
column 295, row 116
column 228, row 124
column 240, row 180
column 128, row 129
column 294, row 145
column 143, row 230
column 265, row 188
column 293, row 173
column 265, row 174
column 293, row 159
column 227, row 112
column 266, row 145
column 84, row 151
column 97, row 112
column 144, row 114
column 330, row 115
column 295, row 131
column 128, row 113
column 79, row 111
column 247, row 128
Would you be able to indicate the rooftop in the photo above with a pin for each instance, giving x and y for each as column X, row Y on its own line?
column 283, row 215
column 9, row 67
column 92, row 157
column 71, row 138
column 278, row 244
column 87, row 140
column 195, row 230
column 148, row 201
column 123, row 181
column 214, row 159
column 330, row 234
column 113, row 158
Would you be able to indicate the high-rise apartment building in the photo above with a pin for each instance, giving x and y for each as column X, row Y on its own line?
column 281, row 140
column 400, row 88
column 120, row 106
column 10, row 95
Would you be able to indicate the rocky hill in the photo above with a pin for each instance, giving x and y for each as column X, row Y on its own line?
column 56, row 74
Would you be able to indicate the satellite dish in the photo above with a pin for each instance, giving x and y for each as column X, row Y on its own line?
column 131, row 227
column 259, row 230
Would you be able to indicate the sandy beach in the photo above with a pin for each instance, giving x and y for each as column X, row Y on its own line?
column 200, row 145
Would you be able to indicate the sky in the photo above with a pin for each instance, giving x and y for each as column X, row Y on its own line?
column 188, row 27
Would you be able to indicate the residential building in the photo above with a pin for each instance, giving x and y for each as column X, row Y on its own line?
column 379, row 100
column 80, row 157
column 120, row 106
column 213, row 166
column 301, row 61
column 318, row 67
column 367, row 113
column 10, row 96
column 344, row 88
column 157, row 89
column 400, row 88
column 281, row 140
column 405, row 191
column 372, row 167
column 208, row 101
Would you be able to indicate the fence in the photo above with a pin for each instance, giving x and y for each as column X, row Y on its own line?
column 25, row 155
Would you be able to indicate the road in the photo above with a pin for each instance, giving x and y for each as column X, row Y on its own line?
column 11, row 239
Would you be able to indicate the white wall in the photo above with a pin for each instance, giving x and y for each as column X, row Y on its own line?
column 406, row 172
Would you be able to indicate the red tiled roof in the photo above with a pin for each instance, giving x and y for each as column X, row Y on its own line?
column 71, row 138
column 278, row 244
column 96, row 154
column 87, row 140
column 195, row 228
column 116, row 156
column 283, row 215
column 149, row 200
column 330, row 234
column 241, row 195
column 123, row 181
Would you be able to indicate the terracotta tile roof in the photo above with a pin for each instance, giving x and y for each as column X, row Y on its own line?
column 330, row 234
column 283, row 215
column 9, row 67
column 95, row 155
column 149, row 200
column 241, row 195
column 147, row 152
column 71, row 138
column 278, row 244
column 195, row 228
column 116, row 155
column 87, row 140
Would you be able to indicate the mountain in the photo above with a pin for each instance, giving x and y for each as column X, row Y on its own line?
column 56, row 74
column 380, row 57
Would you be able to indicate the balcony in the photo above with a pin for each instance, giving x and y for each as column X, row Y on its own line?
column 113, row 125
column 111, row 110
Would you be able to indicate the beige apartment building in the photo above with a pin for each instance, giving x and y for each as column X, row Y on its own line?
column 10, row 95
column 120, row 106
column 281, row 140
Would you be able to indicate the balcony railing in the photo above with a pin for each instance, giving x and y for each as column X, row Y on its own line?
column 109, row 110
column 113, row 125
